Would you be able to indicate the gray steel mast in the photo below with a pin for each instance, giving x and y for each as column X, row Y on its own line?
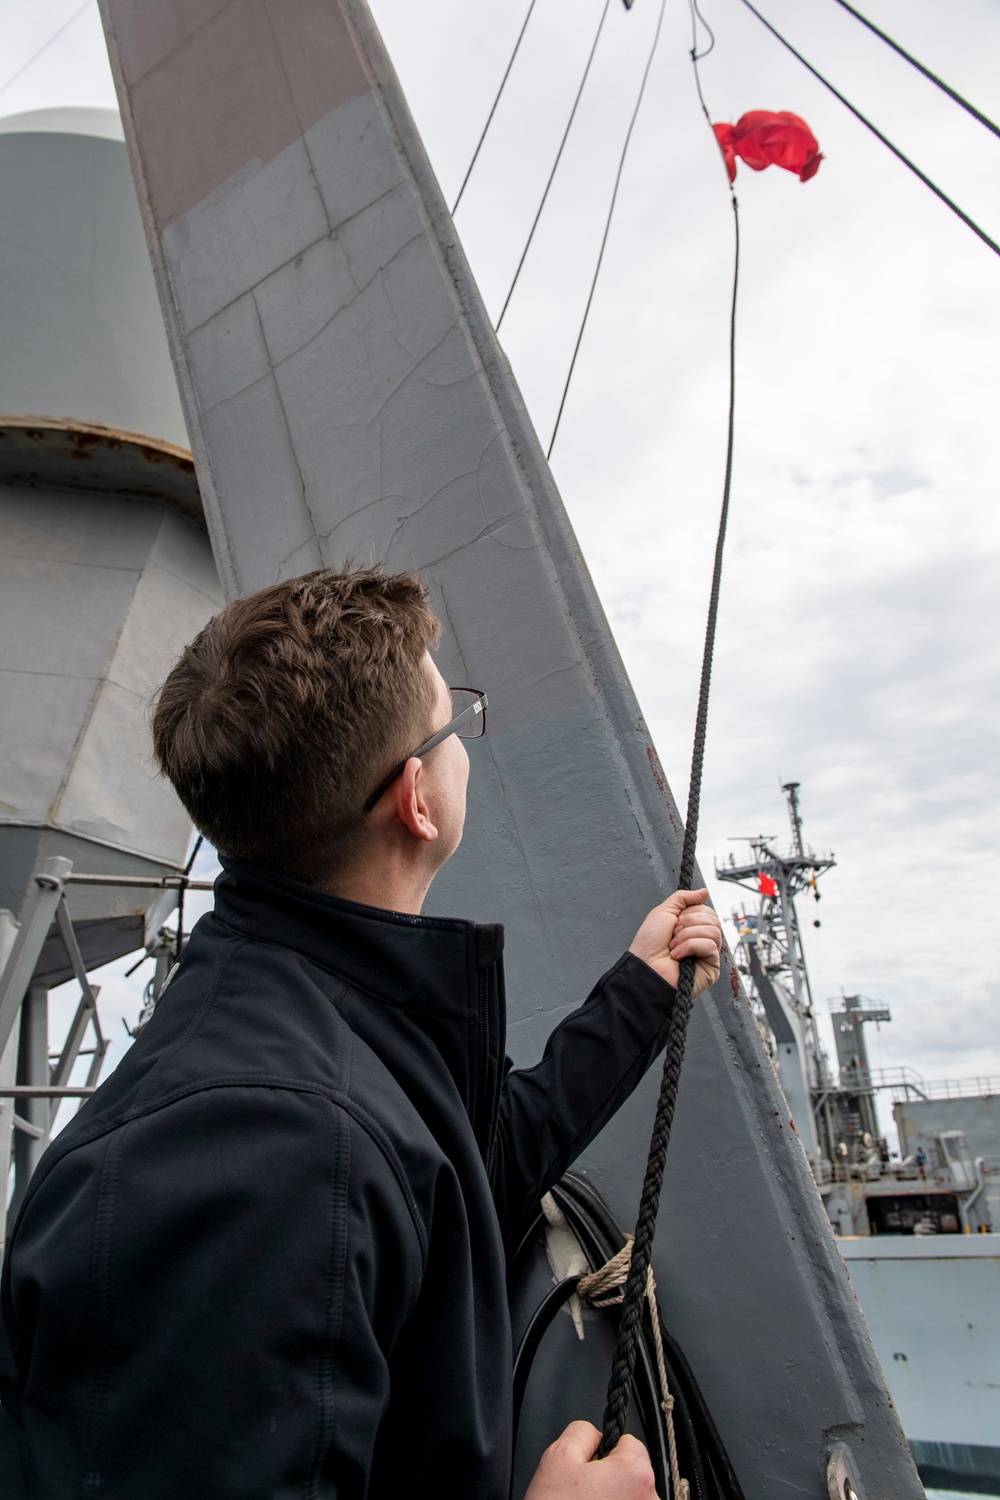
column 345, row 393
column 771, row 957
column 833, row 1119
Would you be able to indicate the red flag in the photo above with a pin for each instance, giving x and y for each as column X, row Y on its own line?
column 765, row 138
column 768, row 887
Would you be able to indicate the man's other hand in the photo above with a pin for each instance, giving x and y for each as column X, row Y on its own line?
column 569, row 1470
column 680, row 927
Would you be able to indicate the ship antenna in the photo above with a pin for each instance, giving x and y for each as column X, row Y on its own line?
column 791, row 791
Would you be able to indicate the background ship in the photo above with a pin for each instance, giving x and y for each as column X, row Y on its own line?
column 919, row 1227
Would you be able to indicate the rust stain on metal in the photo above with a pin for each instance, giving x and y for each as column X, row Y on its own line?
column 654, row 761
column 734, row 983
column 62, row 452
column 85, row 436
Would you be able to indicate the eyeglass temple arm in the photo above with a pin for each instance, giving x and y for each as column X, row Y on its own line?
column 465, row 717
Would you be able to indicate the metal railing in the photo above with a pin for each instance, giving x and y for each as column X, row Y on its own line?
column 29, row 1106
column 906, row 1083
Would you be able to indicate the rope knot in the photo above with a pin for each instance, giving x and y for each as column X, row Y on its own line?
column 604, row 1287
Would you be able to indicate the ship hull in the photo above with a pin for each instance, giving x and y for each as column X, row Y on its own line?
column 932, row 1305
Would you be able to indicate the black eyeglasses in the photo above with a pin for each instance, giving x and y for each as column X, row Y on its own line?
column 469, row 723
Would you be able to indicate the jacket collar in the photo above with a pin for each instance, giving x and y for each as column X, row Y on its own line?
column 430, row 963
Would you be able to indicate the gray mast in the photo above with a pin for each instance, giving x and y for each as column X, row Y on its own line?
column 345, row 394
column 833, row 1119
column 771, row 957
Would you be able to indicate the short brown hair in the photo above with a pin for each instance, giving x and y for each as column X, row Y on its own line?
column 285, row 712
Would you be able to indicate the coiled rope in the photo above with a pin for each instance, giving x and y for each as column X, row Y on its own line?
column 603, row 1288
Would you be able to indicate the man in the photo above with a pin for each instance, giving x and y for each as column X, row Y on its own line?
column 267, row 1258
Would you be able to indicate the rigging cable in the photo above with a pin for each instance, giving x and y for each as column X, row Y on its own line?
column 607, row 225
column 630, row 1327
column 697, row 56
column 916, row 63
column 555, row 164
column 496, row 101
column 185, row 881
column 44, row 47
column 970, row 223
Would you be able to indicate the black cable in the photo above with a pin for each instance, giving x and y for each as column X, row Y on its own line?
column 43, row 48
column 916, row 63
column 496, row 101
column 607, row 225
column 697, row 56
column 555, row 164
column 701, row 1451
column 971, row 223
column 620, row 1384
column 532, row 1337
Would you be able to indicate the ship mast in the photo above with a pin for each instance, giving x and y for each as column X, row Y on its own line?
column 771, row 957
column 836, row 1121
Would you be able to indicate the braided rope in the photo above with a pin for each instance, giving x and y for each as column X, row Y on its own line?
column 603, row 1288
column 620, row 1384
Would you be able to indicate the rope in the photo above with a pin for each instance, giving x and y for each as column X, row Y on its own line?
column 44, row 47
column 607, row 225
column 697, row 56
column 496, row 101
column 555, row 164
column 603, row 1288
column 916, row 63
column 620, row 1384
column 970, row 223
column 681, row 1487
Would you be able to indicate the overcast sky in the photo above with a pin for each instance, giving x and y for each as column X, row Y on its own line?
column 857, row 647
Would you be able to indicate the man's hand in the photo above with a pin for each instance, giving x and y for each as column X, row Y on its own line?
column 680, row 926
column 569, row 1470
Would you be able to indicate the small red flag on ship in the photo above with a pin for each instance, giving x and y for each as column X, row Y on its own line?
column 768, row 138
column 768, row 887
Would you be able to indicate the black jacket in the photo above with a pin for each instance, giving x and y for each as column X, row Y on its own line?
column 266, row 1259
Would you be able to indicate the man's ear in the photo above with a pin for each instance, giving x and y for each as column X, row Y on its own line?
column 409, row 805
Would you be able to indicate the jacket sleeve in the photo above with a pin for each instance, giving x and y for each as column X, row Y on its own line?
column 205, row 1301
column 592, row 1062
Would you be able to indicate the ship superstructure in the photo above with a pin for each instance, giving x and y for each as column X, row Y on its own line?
column 915, row 1228
column 939, row 1186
